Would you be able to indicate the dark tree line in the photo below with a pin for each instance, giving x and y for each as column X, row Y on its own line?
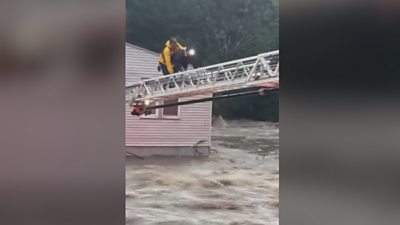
column 219, row 30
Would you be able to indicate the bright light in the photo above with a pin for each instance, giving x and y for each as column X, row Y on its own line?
column 191, row 52
column 147, row 102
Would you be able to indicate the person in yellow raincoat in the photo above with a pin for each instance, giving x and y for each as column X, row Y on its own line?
column 166, row 57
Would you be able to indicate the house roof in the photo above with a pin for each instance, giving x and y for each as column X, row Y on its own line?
column 142, row 49
column 140, row 63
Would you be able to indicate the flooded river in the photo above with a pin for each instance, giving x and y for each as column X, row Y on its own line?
column 238, row 184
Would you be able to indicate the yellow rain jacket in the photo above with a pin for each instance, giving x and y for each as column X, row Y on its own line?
column 167, row 53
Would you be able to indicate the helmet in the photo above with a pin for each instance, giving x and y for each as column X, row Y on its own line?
column 173, row 40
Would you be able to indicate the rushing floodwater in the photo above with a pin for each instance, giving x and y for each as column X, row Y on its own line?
column 236, row 185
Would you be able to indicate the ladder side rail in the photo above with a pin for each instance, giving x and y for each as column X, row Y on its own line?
column 228, row 84
column 221, row 87
column 160, row 89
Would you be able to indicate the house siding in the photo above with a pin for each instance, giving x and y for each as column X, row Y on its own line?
column 193, row 124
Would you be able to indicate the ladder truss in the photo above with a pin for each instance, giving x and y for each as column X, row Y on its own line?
column 237, row 74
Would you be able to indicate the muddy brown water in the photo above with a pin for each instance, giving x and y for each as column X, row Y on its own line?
column 236, row 185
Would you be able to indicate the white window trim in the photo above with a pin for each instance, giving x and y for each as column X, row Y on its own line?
column 159, row 115
column 177, row 117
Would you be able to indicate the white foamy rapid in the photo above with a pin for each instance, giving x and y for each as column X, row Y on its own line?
column 237, row 185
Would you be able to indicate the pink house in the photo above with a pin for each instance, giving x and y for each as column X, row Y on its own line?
column 167, row 131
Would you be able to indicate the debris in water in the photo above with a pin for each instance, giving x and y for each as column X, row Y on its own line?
column 219, row 122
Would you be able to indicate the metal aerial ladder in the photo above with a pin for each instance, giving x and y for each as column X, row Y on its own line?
column 261, row 70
